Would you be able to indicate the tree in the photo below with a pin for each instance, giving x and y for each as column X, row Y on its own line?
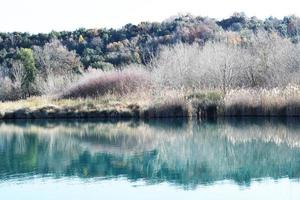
column 271, row 60
column 26, row 57
column 57, row 67
column 54, row 58
column 223, row 59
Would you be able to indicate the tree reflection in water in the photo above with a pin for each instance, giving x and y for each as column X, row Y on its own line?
column 185, row 153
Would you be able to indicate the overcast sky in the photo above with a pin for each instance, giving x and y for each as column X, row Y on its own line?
column 45, row 15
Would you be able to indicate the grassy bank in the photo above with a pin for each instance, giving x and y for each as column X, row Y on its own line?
column 108, row 106
column 170, row 103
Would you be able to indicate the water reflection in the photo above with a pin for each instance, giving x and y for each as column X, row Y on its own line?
column 181, row 152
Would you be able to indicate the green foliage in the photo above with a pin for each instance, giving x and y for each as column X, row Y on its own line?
column 214, row 96
column 197, row 95
column 105, row 66
column 139, row 43
column 27, row 59
column 210, row 96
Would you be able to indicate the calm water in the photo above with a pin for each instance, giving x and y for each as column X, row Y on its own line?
column 232, row 159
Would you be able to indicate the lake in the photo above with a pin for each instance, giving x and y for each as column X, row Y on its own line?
column 250, row 158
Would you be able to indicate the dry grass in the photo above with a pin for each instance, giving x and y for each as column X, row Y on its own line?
column 273, row 102
column 170, row 103
column 36, row 103
column 143, row 104
column 174, row 107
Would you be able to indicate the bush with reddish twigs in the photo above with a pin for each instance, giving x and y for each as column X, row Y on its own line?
column 99, row 83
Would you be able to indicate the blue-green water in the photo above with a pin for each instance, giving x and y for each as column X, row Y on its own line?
column 225, row 159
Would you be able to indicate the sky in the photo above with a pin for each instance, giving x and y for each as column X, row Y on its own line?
column 35, row 16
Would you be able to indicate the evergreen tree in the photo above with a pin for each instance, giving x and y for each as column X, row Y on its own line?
column 27, row 59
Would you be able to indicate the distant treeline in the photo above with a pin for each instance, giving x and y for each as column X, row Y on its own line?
column 107, row 48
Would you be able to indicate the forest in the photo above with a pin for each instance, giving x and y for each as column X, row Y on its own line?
column 186, row 55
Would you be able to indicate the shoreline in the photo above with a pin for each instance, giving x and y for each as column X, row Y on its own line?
column 166, row 104
column 135, row 112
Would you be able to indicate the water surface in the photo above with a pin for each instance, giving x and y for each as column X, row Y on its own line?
column 226, row 159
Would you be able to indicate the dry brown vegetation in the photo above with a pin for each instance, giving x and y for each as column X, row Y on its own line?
column 98, row 83
column 257, row 76
column 151, row 104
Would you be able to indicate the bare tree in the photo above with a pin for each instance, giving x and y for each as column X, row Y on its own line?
column 270, row 61
column 57, row 67
column 18, row 73
column 213, row 66
column 56, row 59
column 222, row 60
column 262, row 60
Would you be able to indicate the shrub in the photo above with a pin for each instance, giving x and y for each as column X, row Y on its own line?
column 174, row 107
column 54, row 84
column 98, row 83
column 9, row 90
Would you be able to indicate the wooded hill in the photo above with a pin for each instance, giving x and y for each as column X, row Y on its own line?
column 107, row 48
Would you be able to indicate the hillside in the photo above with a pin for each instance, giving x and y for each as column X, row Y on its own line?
column 106, row 48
